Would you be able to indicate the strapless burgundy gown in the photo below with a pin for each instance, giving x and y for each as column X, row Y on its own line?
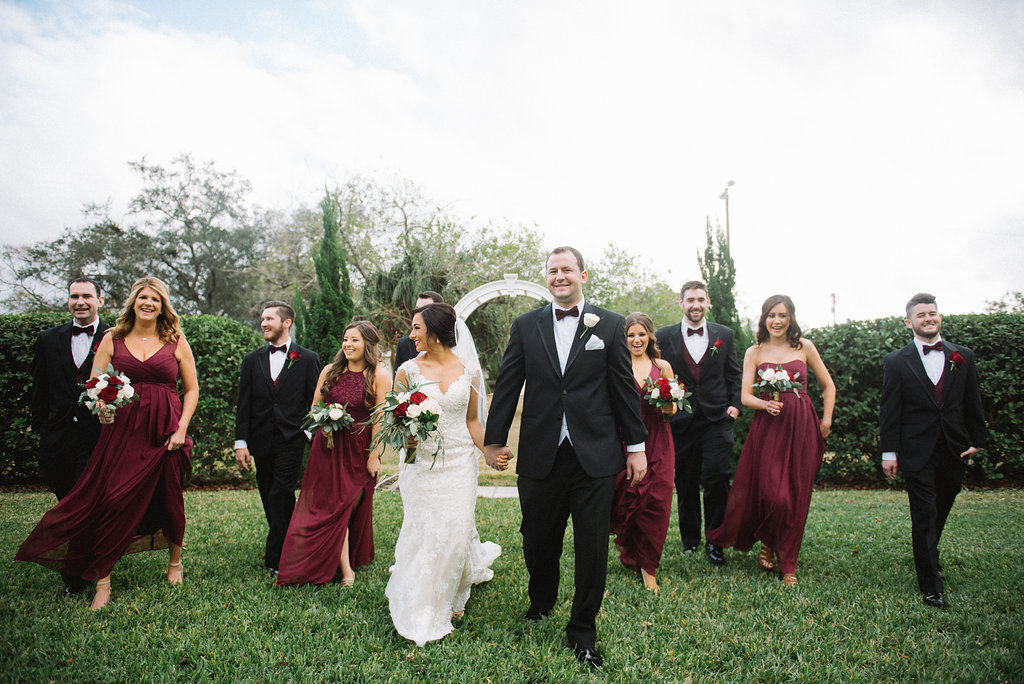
column 771, row 494
column 334, row 479
column 129, row 497
column 640, row 515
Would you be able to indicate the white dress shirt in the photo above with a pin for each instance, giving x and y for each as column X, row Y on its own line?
column 933, row 365
column 697, row 345
column 81, row 342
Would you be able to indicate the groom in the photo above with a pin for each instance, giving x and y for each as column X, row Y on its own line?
column 931, row 421
column 275, row 392
column 579, row 408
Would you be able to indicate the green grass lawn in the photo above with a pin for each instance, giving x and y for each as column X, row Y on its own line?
column 855, row 616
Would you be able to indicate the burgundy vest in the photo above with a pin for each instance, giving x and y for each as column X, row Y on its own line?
column 690, row 363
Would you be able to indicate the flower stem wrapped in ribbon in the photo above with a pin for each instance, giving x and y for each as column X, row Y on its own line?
column 665, row 391
column 407, row 414
column 777, row 380
column 328, row 418
column 107, row 392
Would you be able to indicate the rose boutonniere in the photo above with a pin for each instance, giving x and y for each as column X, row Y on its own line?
column 956, row 360
column 589, row 321
column 716, row 345
column 293, row 356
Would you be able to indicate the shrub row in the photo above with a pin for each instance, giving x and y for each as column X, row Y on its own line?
column 219, row 345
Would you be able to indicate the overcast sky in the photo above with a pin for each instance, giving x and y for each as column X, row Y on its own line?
column 877, row 147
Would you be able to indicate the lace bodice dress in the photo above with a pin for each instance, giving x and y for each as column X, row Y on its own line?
column 439, row 555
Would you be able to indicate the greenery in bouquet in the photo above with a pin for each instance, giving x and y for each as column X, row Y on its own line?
column 405, row 418
column 328, row 418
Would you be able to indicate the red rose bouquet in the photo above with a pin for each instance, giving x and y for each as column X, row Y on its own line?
column 407, row 415
column 107, row 392
column 665, row 391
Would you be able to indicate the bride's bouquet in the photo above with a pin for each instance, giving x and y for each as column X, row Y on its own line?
column 776, row 380
column 329, row 418
column 666, row 391
column 107, row 392
column 405, row 415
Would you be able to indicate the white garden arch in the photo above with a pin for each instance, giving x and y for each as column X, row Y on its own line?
column 511, row 285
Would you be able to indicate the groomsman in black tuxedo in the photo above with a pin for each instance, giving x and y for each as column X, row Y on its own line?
column 61, row 364
column 931, row 422
column 579, row 407
column 275, row 392
column 703, row 357
column 405, row 348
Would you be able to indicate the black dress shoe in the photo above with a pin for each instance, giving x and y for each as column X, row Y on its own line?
column 589, row 657
column 70, row 592
column 714, row 554
column 534, row 614
column 934, row 600
column 691, row 549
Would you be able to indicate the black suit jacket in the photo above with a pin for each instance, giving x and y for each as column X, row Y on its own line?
column 264, row 409
column 56, row 387
column 596, row 394
column 405, row 349
column 721, row 378
column 909, row 417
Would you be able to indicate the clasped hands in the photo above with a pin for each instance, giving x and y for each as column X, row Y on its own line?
column 498, row 456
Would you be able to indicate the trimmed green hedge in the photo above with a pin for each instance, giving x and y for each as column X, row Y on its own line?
column 853, row 353
column 219, row 345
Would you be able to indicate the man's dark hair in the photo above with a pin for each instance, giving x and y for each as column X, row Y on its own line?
column 692, row 285
column 87, row 279
column 919, row 298
column 564, row 249
column 284, row 310
column 430, row 294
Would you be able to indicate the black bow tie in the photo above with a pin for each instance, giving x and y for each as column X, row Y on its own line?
column 87, row 330
column 933, row 347
column 695, row 331
column 283, row 348
column 562, row 313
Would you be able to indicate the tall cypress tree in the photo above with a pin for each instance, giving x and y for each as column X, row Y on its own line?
column 719, row 273
column 330, row 307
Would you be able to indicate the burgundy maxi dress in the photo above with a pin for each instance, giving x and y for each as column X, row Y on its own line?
column 640, row 514
column 327, row 505
column 129, row 497
column 771, row 494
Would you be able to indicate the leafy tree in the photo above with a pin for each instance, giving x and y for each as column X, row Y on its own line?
column 188, row 225
column 622, row 282
column 330, row 306
column 1010, row 302
column 719, row 273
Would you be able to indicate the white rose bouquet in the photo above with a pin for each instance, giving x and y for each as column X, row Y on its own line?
column 107, row 392
column 406, row 417
column 776, row 380
column 328, row 418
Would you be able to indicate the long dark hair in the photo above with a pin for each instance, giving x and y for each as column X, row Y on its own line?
column 792, row 333
column 439, row 319
column 653, row 351
column 371, row 357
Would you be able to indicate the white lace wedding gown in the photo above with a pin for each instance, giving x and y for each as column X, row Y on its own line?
column 439, row 556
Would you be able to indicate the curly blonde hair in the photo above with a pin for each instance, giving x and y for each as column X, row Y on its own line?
column 168, row 324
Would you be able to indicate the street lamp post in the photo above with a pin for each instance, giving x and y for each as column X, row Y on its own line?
column 725, row 196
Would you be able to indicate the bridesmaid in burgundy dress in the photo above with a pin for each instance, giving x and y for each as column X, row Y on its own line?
column 640, row 514
column 771, row 493
column 129, row 498
column 331, row 530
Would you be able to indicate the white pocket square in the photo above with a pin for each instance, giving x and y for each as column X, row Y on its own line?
column 593, row 343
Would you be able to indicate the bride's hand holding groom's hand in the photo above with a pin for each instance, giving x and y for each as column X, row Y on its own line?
column 497, row 456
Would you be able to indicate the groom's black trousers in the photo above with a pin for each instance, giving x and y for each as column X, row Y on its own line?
column 546, row 506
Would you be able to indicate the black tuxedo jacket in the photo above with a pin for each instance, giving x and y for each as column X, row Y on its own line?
column 264, row 409
column 405, row 349
column 57, row 385
column 909, row 417
column 721, row 378
column 596, row 394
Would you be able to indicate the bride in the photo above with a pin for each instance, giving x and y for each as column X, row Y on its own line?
column 439, row 556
